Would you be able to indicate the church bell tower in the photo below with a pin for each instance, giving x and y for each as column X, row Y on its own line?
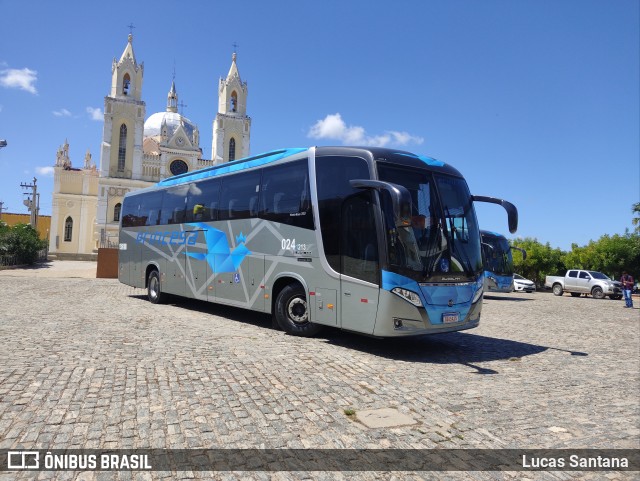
column 122, row 137
column 232, row 126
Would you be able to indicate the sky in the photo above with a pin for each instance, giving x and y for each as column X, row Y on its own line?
column 534, row 101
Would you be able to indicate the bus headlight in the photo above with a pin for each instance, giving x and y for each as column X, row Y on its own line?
column 408, row 295
column 477, row 295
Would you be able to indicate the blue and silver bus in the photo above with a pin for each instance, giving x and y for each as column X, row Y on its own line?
column 497, row 257
column 376, row 241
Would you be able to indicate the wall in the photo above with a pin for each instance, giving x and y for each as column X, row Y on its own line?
column 44, row 222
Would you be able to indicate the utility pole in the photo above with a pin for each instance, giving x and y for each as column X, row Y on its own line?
column 33, row 202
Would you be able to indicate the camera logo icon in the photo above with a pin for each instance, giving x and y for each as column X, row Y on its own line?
column 23, row 460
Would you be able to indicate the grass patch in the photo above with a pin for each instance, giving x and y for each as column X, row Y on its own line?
column 351, row 413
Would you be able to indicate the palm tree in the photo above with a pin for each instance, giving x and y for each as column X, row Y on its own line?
column 636, row 220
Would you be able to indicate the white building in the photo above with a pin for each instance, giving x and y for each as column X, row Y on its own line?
column 135, row 154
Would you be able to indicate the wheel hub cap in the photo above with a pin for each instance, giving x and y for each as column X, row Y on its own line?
column 297, row 311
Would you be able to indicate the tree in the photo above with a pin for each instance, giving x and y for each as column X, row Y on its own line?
column 542, row 260
column 609, row 254
column 635, row 208
column 21, row 241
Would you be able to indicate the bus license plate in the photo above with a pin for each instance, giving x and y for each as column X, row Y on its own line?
column 449, row 317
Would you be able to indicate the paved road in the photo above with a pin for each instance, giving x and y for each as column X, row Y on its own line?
column 89, row 363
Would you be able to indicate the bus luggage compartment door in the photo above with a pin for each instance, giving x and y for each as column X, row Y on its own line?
column 197, row 269
column 359, row 305
column 324, row 306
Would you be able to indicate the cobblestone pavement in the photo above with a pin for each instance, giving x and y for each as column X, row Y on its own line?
column 89, row 363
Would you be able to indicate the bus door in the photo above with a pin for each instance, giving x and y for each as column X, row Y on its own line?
column 124, row 263
column 360, row 266
column 197, row 268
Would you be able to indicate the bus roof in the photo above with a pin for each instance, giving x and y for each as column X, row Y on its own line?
column 233, row 166
column 489, row 233
column 394, row 156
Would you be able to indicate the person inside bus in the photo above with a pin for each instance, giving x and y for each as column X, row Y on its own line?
column 198, row 212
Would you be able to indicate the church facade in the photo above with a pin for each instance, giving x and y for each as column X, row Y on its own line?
column 137, row 153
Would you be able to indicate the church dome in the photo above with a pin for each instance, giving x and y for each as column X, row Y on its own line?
column 173, row 120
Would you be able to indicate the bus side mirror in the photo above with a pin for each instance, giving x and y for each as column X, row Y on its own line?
column 400, row 198
column 512, row 212
column 522, row 251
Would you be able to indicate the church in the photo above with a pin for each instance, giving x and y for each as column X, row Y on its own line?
column 137, row 153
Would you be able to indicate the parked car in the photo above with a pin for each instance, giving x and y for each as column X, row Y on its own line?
column 578, row 282
column 522, row 284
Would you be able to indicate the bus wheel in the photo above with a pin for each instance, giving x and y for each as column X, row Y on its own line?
column 292, row 312
column 154, row 293
column 597, row 293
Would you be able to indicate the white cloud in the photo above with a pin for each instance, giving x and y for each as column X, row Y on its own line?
column 23, row 79
column 62, row 113
column 95, row 114
column 332, row 127
column 46, row 171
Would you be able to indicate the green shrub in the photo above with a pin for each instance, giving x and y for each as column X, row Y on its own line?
column 21, row 241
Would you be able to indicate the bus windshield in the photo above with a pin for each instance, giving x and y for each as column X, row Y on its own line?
column 497, row 255
column 442, row 243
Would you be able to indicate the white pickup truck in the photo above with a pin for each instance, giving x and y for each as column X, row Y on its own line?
column 579, row 282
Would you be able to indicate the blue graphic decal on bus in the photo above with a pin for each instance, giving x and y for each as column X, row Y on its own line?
column 499, row 283
column 219, row 255
column 175, row 238
column 229, row 167
column 438, row 299
column 424, row 158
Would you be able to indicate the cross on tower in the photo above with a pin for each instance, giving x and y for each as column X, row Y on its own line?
column 182, row 105
column 131, row 27
column 235, row 46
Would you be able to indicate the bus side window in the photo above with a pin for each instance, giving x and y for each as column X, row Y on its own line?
column 173, row 203
column 236, row 194
column 333, row 174
column 285, row 195
column 130, row 208
column 150, row 205
column 202, row 201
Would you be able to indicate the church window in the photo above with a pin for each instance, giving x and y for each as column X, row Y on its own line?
column 178, row 167
column 126, row 84
column 122, row 148
column 232, row 149
column 234, row 101
column 68, row 229
column 116, row 212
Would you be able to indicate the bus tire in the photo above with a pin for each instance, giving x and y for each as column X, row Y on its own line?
column 597, row 293
column 557, row 290
column 154, row 291
column 292, row 312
